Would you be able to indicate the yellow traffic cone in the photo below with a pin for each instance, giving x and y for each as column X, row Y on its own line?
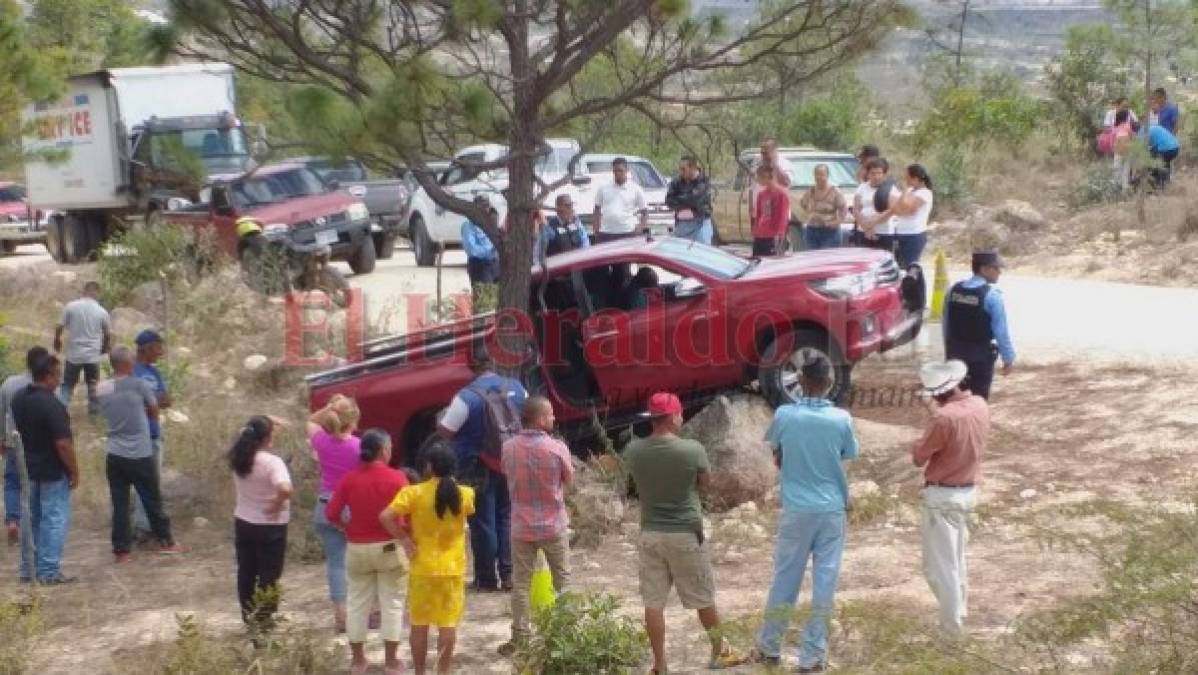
column 939, row 286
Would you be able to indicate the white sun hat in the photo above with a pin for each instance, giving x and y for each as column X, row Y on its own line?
column 941, row 377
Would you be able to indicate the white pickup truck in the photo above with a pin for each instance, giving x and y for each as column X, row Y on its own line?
column 430, row 226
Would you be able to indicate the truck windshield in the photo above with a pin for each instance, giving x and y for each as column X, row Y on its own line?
column 707, row 259
column 276, row 186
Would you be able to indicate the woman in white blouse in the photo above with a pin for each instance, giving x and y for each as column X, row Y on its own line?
column 911, row 214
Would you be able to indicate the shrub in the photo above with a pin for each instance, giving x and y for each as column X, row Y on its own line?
column 583, row 633
column 165, row 252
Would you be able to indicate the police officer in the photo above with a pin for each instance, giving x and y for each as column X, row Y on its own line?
column 563, row 231
column 975, row 323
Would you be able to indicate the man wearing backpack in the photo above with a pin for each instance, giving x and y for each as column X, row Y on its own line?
column 479, row 420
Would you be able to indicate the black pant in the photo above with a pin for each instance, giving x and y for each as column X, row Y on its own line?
column 142, row 476
column 764, row 247
column 261, row 550
column 482, row 271
column 91, row 375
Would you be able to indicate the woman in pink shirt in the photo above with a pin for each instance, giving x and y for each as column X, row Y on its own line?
column 335, row 449
column 259, row 520
column 373, row 559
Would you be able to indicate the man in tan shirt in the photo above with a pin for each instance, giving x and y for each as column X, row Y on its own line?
column 950, row 453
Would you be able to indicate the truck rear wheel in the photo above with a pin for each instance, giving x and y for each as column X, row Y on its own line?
column 363, row 259
column 384, row 245
column 422, row 244
column 780, row 381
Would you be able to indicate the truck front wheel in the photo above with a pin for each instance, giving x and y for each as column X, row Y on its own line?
column 783, row 359
column 363, row 259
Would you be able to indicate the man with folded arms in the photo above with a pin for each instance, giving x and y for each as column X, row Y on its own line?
column 950, row 453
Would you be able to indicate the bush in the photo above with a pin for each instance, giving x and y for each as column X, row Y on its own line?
column 583, row 633
column 165, row 252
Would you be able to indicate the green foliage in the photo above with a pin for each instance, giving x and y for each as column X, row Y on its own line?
column 1082, row 82
column 166, row 253
column 992, row 110
column 583, row 633
column 21, row 623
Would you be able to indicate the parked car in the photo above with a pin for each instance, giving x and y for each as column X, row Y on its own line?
column 290, row 201
column 19, row 222
column 732, row 205
column 430, row 226
column 388, row 200
column 599, row 357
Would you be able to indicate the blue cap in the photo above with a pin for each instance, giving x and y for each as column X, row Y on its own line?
column 147, row 337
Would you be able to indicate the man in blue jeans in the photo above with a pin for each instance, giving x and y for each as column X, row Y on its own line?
column 12, row 482
column 45, row 430
column 811, row 438
column 464, row 424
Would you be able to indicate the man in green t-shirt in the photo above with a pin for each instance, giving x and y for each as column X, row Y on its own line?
column 669, row 472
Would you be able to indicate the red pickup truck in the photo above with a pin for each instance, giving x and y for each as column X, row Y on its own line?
column 292, row 203
column 615, row 322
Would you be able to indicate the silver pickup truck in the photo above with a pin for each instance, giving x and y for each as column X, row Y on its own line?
column 388, row 200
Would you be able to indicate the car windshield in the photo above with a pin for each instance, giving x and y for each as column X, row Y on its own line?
column 643, row 173
column 708, row 259
column 12, row 193
column 342, row 172
column 842, row 171
column 276, row 187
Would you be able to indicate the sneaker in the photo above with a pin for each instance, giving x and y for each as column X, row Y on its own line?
column 14, row 532
column 756, row 656
column 57, row 580
column 170, row 549
column 507, row 649
column 727, row 658
column 120, row 558
column 817, row 668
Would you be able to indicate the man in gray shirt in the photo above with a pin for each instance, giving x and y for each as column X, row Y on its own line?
column 12, row 482
column 90, row 334
column 128, row 403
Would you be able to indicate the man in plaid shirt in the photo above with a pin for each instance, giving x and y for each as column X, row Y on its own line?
column 538, row 469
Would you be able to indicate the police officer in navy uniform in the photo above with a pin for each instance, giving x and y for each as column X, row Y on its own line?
column 563, row 231
column 975, row 324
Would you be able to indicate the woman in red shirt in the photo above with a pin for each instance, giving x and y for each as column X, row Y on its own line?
column 374, row 565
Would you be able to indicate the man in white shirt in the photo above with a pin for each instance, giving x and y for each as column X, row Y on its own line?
column 1120, row 104
column 783, row 172
column 90, row 334
column 620, row 206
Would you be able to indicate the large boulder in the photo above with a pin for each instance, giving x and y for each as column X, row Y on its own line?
column 732, row 429
column 1019, row 216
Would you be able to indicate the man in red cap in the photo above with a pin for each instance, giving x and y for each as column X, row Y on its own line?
column 668, row 472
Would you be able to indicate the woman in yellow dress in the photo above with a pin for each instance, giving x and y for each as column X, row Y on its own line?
column 436, row 545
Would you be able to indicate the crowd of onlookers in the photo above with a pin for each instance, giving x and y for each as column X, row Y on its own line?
column 1121, row 126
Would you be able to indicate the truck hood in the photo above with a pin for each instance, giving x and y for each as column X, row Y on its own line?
column 300, row 209
column 823, row 264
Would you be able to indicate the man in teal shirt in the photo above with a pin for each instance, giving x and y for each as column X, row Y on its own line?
column 810, row 438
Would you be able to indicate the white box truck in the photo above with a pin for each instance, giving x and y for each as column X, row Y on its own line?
column 122, row 143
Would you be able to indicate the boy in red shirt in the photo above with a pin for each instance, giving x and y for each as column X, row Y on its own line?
column 772, row 214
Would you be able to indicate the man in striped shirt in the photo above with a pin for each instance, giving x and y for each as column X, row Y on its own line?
column 538, row 468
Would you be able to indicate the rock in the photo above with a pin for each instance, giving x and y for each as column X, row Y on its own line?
column 128, row 322
column 1027, row 494
column 254, row 362
column 731, row 428
column 1019, row 216
column 199, row 522
column 177, row 417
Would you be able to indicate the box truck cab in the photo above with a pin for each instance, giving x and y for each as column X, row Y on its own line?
column 122, row 143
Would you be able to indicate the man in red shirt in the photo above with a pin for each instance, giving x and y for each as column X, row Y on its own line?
column 950, row 452
column 538, row 468
column 771, row 214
